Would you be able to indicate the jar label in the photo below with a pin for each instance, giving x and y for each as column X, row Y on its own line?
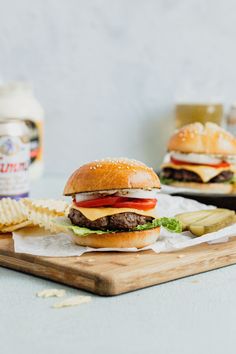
column 36, row 140
column 14, row 166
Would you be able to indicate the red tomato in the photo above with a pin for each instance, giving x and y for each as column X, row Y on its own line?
column 141, row 204
column 99, row 202
column 221, row 164
column 118, row 202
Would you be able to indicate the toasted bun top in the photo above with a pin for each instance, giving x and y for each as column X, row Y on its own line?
column 110, row 173
column 203, row 139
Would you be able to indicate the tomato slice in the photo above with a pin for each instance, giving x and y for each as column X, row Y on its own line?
column 118, row 202
column 141, row 204
column 219, row 165
column 99, row 202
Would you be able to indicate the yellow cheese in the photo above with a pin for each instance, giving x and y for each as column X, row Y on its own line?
column 97, row 213
column 205, row 172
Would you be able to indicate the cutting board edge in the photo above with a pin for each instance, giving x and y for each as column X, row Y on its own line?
column 48, row 273
column 120, row 285
column 117, row 281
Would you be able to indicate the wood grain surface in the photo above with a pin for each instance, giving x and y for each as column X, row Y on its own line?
column 112, row 273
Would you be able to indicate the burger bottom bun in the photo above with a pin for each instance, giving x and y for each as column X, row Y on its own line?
column 128, row 239
column 222, row 188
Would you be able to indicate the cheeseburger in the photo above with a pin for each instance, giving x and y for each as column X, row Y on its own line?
column 114, row 204
column 201, row 157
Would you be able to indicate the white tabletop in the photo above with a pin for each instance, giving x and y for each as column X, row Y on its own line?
column 192, row 315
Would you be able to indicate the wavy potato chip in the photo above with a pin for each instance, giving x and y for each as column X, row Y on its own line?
column 11, row 228
column 11, row 212
column 44, row 219
column 52, row 206
column 26, row 212
column 44, row 212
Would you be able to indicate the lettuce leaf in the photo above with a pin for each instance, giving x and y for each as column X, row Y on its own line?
column 171, row 224
column 166, row 181
column 79, row 231
column 231, row 181
column 83, row 231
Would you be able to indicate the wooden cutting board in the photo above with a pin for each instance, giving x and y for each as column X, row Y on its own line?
column 112, row 273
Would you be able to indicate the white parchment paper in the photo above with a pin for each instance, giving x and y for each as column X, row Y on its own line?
column 176, row 190
column 38, row 242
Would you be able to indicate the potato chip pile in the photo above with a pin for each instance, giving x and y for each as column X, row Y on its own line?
column 15, row 215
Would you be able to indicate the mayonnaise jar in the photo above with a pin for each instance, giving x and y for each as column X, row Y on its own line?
column 17, row 101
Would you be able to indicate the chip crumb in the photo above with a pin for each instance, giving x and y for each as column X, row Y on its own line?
column 73, row 301
column 181, row 256
column 194, row 281
column 51, row 293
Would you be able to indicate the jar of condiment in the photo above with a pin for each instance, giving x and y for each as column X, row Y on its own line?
column 17, row 101
column 186, row 113
column 231, row 120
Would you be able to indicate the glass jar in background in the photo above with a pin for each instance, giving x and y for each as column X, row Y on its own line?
column 15, row 158
column 186, row 113
column 17, row 101
column 231, row 120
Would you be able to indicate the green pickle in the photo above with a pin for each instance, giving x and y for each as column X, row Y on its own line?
column 206, row 221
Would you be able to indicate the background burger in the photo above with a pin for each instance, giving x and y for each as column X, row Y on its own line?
column 201, row 157
column 114, row 204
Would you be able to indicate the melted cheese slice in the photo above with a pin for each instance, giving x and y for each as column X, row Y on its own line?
column 97, row 213
column 205, row 172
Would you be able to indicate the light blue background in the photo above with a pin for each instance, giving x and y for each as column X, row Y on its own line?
column 107, row 72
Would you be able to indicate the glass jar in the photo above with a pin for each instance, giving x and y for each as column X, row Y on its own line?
column 231, row 120
column 186, row 113
column 17, row 101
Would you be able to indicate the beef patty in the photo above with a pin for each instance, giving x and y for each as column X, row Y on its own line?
column 123, row 221
column 189, row 176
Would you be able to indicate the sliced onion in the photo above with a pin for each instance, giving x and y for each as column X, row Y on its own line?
column 231, row 159
column 198, row 158
column 131, row 193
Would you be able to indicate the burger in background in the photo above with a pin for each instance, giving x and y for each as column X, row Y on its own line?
column 114, row 205
column 201, row 157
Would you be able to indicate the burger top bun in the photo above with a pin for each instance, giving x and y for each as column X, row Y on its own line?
column 106, row 174
column 203, row 139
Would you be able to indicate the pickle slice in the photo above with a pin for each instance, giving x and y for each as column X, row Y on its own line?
column 189, row 218
column 213, row 222
column 206, row 221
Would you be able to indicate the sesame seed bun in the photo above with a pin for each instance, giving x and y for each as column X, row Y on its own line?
column 109, row 174
column 203, row 139
column 128, row 239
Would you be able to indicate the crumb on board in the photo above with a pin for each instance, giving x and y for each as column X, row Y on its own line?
column 51, row 293
column 181, row 256
column 72, row 301
column 89, row 261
